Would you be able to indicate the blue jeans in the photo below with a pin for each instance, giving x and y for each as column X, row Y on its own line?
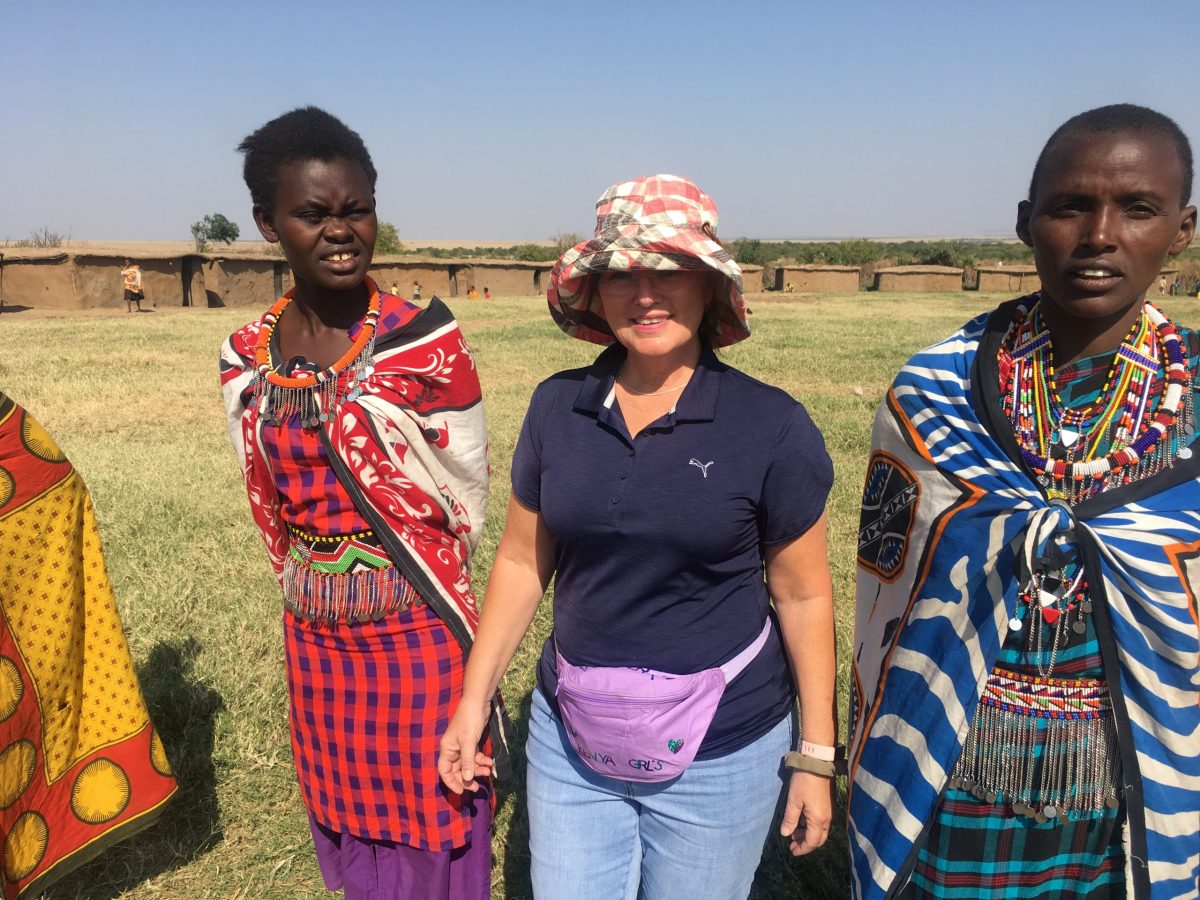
column 698, row 837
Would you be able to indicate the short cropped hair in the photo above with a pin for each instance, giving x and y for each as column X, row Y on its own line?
column 1115, row 118
column 302, row 134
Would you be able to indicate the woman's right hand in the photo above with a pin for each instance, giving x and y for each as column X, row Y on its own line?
column 460, row 761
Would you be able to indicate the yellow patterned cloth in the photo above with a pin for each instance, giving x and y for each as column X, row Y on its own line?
column 81, row 766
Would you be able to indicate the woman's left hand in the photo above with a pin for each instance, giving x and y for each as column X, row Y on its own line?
column 809, row 812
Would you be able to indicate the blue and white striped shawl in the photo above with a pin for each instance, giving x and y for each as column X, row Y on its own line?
column 949, row 524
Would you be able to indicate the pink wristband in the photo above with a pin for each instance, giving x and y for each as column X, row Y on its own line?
column 818, row 751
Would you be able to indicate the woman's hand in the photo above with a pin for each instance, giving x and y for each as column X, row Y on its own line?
column 522, row 569
column 460, row 761
column 808, row 813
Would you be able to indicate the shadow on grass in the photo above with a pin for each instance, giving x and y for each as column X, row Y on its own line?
column 184, row 711
column 823, row 874
column 517, row 885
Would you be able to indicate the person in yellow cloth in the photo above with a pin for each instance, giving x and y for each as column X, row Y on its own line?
column 81, row 766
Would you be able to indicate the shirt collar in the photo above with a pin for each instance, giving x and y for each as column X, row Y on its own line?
column 697, row 403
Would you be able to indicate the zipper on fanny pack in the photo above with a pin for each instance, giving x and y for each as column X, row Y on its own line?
column 625, row 699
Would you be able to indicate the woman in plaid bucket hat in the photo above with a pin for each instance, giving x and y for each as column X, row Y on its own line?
column 655, row 486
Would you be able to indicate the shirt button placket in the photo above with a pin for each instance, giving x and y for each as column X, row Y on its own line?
column 622, row 476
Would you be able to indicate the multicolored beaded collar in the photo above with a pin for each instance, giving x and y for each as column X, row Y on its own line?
column 313, row 397
column 1041, row 422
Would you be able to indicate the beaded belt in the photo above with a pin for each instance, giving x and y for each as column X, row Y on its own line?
column 345, row 578
column 1046, row 746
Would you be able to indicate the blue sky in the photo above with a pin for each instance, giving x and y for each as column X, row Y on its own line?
column 504, row 121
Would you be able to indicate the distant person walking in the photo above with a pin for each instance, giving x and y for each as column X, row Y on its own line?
column 1162, row 284
column 487, row 295
column 416, row 292
column 131, row 276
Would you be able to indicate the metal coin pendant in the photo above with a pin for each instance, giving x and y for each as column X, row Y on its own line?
column 1112, row 802
column 1078, row 627
column 1086, row 606
column 1185, row 453
column 1014, row 624
column 1050, row 812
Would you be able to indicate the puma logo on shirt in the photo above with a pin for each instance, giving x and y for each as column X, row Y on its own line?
column 703, row 467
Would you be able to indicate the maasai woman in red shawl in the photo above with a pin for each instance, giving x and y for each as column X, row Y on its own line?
column 81, row 767
column 358, row 421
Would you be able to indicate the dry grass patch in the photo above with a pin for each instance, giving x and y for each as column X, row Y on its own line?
column 135, row 403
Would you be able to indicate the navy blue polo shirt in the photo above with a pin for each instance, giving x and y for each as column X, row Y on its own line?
column 659, row 539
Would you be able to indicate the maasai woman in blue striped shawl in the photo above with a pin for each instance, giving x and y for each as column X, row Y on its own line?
column 1027, row 653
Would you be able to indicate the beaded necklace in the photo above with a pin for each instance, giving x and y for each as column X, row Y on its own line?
column 1062, row 445
column 313, row 397
column 1043, row 425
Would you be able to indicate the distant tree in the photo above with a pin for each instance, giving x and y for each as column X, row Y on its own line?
column 214, row 227
column 534, row 252
column 564, row 241
column 44, row 237
column 387, row 239
column 751, row 251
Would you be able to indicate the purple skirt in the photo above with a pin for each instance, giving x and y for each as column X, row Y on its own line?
column 368, row 869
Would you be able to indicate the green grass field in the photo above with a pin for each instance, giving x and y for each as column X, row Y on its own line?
column 134, row 401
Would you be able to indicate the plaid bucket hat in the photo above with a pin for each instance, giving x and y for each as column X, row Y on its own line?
column 659, row 222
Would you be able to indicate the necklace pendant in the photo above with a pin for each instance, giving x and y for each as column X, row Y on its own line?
column 1185, row 453
column 1014, row 624
column 1067, row 437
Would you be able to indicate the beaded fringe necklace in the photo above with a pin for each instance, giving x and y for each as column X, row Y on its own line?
column 1047, row 747
column 313, row 397
column 1062, row 446
column 1069, row 767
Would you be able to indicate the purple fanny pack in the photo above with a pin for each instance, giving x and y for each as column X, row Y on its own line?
column 639, row 724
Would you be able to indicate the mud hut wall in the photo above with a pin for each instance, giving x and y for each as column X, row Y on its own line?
column 502, row 281
column 191, row 278
column 40, row 283
column 433, row 278
column 1009, row 282
column 162, row 282
column 919, row 282
column 240, row 282
column 752, row 279
column 817, row 280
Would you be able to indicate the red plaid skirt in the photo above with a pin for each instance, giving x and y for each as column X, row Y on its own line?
column 369, row 703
